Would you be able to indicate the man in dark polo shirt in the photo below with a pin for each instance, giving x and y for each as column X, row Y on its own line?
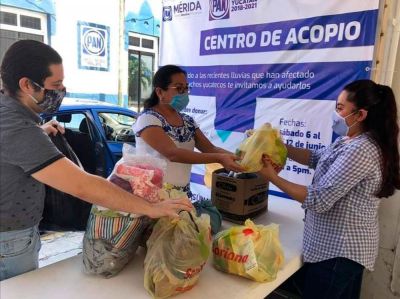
column 32, row 75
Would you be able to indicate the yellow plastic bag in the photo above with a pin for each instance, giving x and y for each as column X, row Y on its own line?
column 177, row 251
column 252, row 251
column 264, row 140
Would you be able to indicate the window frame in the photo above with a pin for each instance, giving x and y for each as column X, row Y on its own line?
column 143, row 51
column 18, row 11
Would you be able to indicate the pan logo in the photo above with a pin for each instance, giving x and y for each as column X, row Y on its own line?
column 94, row 41
column 167, row 13
column 219, row 9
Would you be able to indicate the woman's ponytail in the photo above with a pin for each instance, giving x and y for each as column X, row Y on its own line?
column 382, row 125
column 151, row 101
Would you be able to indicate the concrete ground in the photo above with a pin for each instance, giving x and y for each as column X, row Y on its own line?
column 57, row 246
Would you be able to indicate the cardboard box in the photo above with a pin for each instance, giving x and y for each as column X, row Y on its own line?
column 238, row 199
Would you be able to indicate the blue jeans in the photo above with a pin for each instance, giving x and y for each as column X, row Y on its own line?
column 330, row 279
column 19, row 252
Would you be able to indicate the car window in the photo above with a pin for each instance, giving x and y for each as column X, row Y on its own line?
column 118, row 119
column 117, row 126
column 70, row 121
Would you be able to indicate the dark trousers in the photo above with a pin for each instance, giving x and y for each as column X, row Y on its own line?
column 330, row 279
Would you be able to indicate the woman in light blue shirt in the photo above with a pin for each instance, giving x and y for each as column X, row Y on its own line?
column 341, row 232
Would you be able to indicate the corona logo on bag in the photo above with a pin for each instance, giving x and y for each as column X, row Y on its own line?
column 230, row 255
column 249, row 250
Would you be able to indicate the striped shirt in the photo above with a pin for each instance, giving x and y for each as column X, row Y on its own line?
column 341, row 206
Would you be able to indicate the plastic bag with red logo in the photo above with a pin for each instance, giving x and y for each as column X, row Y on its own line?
column 178, row 249
column 252, row 251
column 266, row 140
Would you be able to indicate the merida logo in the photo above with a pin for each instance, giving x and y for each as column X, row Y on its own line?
column 186, row 7
column 167, row 13
column 219, row 9
column 230, row 255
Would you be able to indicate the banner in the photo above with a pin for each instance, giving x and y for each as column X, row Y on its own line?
column 256, row 61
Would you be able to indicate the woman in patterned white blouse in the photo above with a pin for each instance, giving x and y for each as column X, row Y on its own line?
column 163, row 130
column 351, row 176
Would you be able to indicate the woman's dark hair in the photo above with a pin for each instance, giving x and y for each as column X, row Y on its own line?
column 27, row 58
column 381, row 124
column 162, row 79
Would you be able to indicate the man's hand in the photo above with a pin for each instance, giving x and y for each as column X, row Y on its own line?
column 53, row 127
column 170, row 208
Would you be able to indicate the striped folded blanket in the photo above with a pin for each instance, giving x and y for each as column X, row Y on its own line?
column 110, row 243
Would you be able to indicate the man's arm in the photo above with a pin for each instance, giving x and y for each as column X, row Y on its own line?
column 67, row 177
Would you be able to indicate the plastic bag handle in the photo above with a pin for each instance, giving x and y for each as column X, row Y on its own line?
column 191, row 218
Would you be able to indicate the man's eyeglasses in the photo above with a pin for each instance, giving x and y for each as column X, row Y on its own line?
column 181, row 89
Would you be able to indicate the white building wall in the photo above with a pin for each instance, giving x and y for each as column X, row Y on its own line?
column 381, row 283
column 61, row 18
column 84, row 82
column 384, row 282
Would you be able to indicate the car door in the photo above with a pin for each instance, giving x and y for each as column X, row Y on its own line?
column 63, row 211
column 85, row 139
column 116, row 129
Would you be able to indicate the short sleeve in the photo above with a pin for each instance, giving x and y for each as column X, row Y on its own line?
column 144, row 121
column 28, row 147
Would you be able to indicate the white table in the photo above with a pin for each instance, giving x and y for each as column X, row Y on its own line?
column 66, row 280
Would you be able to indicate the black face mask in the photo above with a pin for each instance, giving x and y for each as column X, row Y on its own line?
column 52, row 99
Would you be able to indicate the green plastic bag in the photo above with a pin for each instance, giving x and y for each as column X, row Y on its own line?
column 207, row 207
column 265, row 140
column 252, row 251
column 178, row 249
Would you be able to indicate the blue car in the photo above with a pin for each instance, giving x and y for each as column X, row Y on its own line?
column 96, row 132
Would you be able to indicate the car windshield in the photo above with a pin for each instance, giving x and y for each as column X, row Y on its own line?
column 114, row 119
column 120, row 119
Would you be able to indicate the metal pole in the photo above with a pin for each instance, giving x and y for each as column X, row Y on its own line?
column 121, row 42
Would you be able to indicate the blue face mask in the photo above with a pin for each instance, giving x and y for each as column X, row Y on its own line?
column 180, row 101
column 339, row 125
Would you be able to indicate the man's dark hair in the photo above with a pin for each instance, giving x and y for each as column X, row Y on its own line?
column 27, row 58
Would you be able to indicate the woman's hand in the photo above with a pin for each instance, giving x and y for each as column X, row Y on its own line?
column 170, row 208
column 270, row 169
column 53, row 127
column 229, row 162
column 270, row 172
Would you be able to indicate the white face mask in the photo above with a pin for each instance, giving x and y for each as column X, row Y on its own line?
column 339, row 125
